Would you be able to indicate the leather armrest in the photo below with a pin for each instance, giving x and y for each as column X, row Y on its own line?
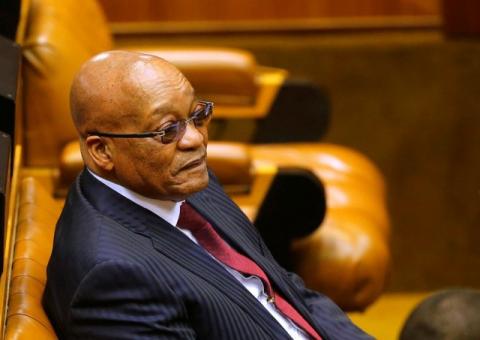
column 69, row 166
column 231, row 163
column 348, row 257
column 247, row 181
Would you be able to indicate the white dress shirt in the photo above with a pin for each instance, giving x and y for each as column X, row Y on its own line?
column 170, row 212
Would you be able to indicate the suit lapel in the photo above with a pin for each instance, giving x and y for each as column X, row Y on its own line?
column 171, row 242
column 193, row 258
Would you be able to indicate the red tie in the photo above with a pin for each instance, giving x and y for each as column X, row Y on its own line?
column 216, row 246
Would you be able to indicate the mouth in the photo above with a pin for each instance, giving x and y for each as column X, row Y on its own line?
column 198, row 162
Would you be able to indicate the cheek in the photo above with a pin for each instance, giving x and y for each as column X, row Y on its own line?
column 155, row 174
column 158, row 168
column 145, row 167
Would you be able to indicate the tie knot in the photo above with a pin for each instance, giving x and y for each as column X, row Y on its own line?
column 190, row 219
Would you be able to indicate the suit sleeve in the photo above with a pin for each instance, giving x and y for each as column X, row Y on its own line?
column 331, row 319
column 320, row 306
column 323, row 310
column 119, row 300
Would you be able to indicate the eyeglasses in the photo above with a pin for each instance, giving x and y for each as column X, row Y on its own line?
column 200, row 117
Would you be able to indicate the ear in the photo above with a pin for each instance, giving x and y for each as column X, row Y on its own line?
column 100, row 152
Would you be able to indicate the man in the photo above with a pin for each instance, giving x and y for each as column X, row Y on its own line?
column 148, row 245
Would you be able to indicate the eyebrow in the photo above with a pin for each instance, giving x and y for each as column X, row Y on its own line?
column 170, row 109
column 163, row 109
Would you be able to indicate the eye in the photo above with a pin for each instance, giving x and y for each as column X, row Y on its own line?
column 166, row 124
column 170, row 132
column 200, row 115
column 199, row 120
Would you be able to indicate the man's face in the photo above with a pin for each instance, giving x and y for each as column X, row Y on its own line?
column 145, row 165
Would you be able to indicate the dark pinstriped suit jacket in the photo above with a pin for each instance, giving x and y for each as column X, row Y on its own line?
column 119, row 271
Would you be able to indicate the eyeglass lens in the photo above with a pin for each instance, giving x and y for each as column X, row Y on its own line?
column 200, row 117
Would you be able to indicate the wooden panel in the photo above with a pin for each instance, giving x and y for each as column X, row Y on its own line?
column 461, row 17
column 233, row 10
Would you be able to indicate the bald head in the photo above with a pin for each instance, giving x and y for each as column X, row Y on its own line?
column 117, row 94
column 112, row 88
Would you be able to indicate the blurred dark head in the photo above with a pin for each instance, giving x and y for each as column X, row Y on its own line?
column 451, row 314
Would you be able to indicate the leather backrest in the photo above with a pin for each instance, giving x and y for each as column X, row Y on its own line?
column 60, row 36
column 223, row 75
column 37, row 217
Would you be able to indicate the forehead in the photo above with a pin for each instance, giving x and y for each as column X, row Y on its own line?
column 156, row 75
column 155, row 87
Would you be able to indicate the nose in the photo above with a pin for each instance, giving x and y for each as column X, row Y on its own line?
column 192, row 137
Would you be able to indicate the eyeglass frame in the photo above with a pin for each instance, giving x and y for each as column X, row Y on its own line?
column 160, row 133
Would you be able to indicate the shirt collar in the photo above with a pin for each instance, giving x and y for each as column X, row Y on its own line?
column 168, row 210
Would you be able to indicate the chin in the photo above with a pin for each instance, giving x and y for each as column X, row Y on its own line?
column 192, row 186
column 199, row 184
